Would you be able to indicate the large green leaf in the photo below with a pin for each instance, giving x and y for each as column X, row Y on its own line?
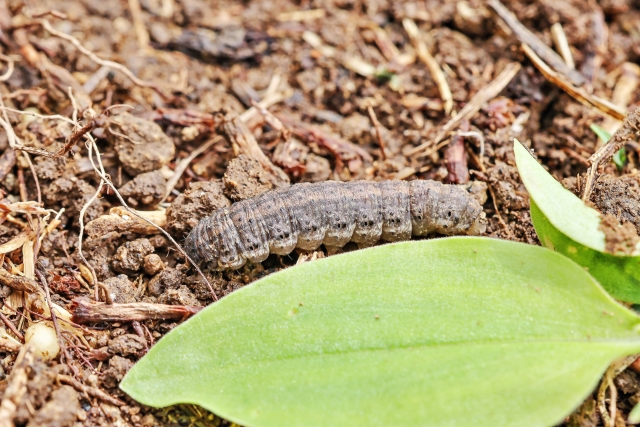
column 566, row 224
column 447, row 332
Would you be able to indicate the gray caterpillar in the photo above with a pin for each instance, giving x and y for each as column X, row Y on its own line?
column 334, row 213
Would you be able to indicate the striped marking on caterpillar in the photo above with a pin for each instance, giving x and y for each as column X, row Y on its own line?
column 332, row 213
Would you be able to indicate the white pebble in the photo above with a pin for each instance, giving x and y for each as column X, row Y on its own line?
column 44, row 339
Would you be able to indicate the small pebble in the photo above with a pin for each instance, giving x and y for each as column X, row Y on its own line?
column 152, row 264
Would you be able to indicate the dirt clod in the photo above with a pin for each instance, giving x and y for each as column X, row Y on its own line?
column 245, row 178
column 120, row 289
column 618, row 198
column 60, row 411
column 199, row 201
column 618, row 238
column 130, row 256
column 179, row 296
column 146, row 189
column 39, row 387
column 142, row 146
column 118, row 367
column 126, row 345
column 169, row 278
column 152, row 264
column 72, row 193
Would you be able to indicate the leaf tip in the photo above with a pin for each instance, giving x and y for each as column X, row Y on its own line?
column 634, row 415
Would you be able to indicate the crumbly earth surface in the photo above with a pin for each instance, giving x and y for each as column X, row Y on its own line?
column 198, row 63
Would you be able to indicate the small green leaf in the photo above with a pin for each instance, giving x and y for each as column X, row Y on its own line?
column 445, row 332
column 620, row 158
column 384, row 74
column 634, row 415
column 564, row 223
column 602, row 133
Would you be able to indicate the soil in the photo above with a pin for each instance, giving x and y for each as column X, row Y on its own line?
column 200, row 66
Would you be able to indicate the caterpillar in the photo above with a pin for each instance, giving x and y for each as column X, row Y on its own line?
column 332, row 213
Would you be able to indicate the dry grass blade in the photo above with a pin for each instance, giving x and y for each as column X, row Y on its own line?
column 138, row 24
column 579, row 94
column 434, row 68
column 301, row 15
column 9, row 344
column 484, row 95
column 562, row 44
column 622, row 95
column 267, row 101
column 16, row 242
column 119, row 220
column 527, row 37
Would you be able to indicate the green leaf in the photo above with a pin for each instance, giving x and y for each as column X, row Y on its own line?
column 564, row 223
column 446, row 332
column 620, row 158
column 602, row 133
column 634, row 415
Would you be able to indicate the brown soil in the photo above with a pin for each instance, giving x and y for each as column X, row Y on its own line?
column 204, row 65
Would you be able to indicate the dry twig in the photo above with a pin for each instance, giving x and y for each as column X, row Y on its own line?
column 91, row 312
column 627, row 132
column 622, row 95
column 579, row 94
column 138, row 24
column 91, row 391
column 18, row 283
column 527, row 37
